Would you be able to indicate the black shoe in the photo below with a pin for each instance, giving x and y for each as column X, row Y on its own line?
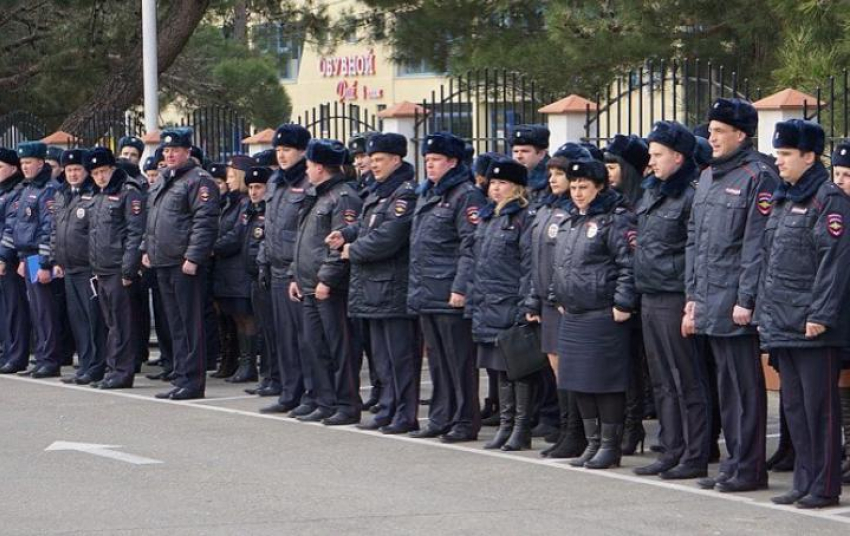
column 789, row 497
column 591, row 432
column 166, row 395
column 659, row 449
column 458, row 437
column 170, row 377
column 45, row 372
column 253, row 390
column 156, row 375
column 633, row 435
column 814, row 501
column 655, row 468
column 154, row 363
column 113, row 384
column 277, row 408
column 269, row 391
column 373, row 424
column 301, row 410
column 684, row 472
column 501, row 437
column 85, row 379
column 8, row 368
column 786, row 464
column 736, row 485
column 376, row 409
column 491, row 420
column 247, row 371
column 317, row 415
column 186, row 394
column 710, row 482
column 428, row 432
column 373, row 400
column 341, row 419
column 395, row 429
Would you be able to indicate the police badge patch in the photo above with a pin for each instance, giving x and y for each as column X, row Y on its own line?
column 472, row 215
column 765, row 203
column 400, row 208
column 204, row 193
column 552, row 231
column 349, row 216
column 592, row 229
column 258, row 232
column 835, row 224
column 136, row 206
column 81, row 213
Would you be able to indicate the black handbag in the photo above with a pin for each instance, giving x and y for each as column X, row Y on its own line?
column 519, row 346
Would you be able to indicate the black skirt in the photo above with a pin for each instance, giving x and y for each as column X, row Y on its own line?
column 550, row 325
column 489, row 357
column 235, row 306
column 594, row 354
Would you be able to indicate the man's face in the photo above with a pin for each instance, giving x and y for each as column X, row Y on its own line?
column 383, row 165
column 528, row 155
column 664, row 161
column 437, row 165
column 315, row 173
column 131, row 154
column 152, row 175
column 792, row 163
column 256, row 191
column 102, row 175
column 75, row 174
column 55, row 168
column 288, row 156
column 6, row 171
column 175, row 156
column 30, row 167
column 362, row 162
column 724, row 139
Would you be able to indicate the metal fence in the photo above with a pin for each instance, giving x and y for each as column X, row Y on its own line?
column 16, row 127
column 338, row 121
column 218, row 131
column 830, row 108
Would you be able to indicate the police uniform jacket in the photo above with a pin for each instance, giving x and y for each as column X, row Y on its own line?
column 379, row 249
column 547, row 219
column 182, row 217
column 116, row 228
column 285, row 195
column 230, row 279
column 725, row 233
column 441, row 243
column 328, row 207
column 538, row 184
column 502, row 270
column 10, row 194
column 805, row 274
column 71, row 226
column 662, row 224
column 593, row 257
column 254, row 221
column 29, row 229
column 364, row 184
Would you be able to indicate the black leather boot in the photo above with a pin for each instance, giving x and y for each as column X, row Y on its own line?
column 247, row 371
column 783, row 459
column 591, row 432
column 228, row 359
column 610, row 451
column 507, row 412
column 844, row 393
column 634, row 432
column 572, row 441
column 521, row 434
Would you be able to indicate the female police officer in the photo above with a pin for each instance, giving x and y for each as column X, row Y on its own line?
column 594, row 286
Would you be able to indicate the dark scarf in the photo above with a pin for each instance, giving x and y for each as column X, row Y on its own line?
column 806, row 187
column 675, row 185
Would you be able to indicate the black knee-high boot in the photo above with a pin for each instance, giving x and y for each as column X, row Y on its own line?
column 507, row 412
column 521, row 434
column 491, row 407
column 571, row 442
column 845, row 420
column 247, row 371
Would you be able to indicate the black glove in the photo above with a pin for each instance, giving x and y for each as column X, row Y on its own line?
column 263, row 277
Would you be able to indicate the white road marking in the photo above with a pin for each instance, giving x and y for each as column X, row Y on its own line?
column 104, row 451
column 828, row 514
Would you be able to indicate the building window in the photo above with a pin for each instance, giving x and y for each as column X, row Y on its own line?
column 418, row 68
column 283, row 46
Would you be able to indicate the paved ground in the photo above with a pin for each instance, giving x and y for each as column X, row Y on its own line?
column 226, row 469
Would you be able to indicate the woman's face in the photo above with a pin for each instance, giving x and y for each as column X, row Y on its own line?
column 615, row 174
column 583, row 192
column 234, row 180
column 841, row 177
column 558, row 181
column 500, row 190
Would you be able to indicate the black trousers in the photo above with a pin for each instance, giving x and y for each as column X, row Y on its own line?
column 679, row 381
column 810, row 397
column 330, row 345
column 291, row 355
column 212, row 345
column 140, row 305
column 65, row 341
column 44, row 312
column 183, row 299
column 261, row 303
column 743, row 405
column 15, row 321
column 398, row 365
column 451, row 358
column 163, row 332
column 87, row 324
column 361, row 329
column 117, row 308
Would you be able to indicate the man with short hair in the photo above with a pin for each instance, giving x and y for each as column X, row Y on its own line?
column 131, row 148
column 182, row 225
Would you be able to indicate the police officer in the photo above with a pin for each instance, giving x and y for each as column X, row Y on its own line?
column 320, row 281
column 131, row 148
column 441, row 264
column 679, row 377
column 182, row 225
column 285, row 194
column 626, row 158
column 28, row 232
column 723, row 257
column 804, row 318
column 540, row 306
column 378, row 246
column 15, row 318
column 500, row 284
column 529, row 147
column 54, row 160
column 71, row 247
column 116, row 226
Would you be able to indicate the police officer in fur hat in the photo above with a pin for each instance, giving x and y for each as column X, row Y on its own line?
column 131, row 148
column 529, row 146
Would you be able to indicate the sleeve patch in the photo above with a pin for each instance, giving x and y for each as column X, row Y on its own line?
column 472, row 215
column 400, row 207
column 631, row 238
column 349, row 216
column 136, row 207
column 835, row 224
column 204, row 193
column 765, row 203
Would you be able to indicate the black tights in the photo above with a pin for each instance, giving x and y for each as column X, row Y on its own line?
column 609, row 408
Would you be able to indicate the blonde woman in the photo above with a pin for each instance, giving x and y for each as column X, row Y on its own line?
column 500, row 284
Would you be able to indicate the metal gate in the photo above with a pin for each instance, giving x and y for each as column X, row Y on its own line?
column 338, row 121
column 19, row 126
